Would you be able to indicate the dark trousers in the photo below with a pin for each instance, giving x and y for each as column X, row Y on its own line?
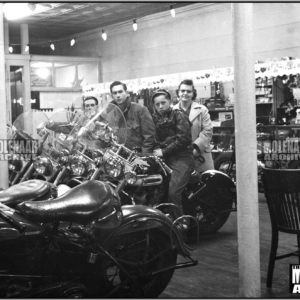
column 182, row 166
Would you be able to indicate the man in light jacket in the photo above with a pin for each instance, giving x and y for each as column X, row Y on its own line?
column 201, row 125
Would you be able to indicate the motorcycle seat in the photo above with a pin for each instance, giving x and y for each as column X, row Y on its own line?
column 82, row 204
column 24, row 191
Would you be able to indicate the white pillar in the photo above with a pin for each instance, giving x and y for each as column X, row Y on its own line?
column 3, row 131
column 246, row 156
column 24, row 37
column 6, row 37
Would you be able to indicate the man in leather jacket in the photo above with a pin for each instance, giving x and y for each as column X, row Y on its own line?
column 173, row 139
column 140, row 126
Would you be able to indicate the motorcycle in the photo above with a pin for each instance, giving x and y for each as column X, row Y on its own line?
column 225, row 161
column 84, row 244
column 50, row 163
column 23, row 144
column 208, row 198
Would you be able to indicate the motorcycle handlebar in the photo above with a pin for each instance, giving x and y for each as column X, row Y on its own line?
column 161, row 163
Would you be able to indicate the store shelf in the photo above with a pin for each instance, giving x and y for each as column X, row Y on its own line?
column 264, row 102
column 259, row 86
column 287, row 107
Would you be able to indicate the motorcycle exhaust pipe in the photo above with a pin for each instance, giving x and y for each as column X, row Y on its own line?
column 148, row 181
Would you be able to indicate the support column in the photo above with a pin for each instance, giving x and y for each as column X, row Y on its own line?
column 24, row 37
column 26, row 72
column 246, row 155
column 3, row 131
column 6, row 37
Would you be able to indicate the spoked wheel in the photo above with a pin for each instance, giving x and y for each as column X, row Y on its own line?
column 212, row 211
column 140, row 254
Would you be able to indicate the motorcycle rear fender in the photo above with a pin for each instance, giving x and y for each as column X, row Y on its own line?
column 8, row 231
column 139, row 217
column 217, row 178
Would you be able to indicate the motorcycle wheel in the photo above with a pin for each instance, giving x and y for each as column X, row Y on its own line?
column 212, row 211
column 222, row 164
column 139, row 253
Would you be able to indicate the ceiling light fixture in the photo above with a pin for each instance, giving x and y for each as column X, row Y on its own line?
column 10, row 49
column 31, row 6
column 104, row 35
column 134, row 25
column 14, row 11
column 172, row 11
column 72, row 43
column 52, row 46
column 27, row 48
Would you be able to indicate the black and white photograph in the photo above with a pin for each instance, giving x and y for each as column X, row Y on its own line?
column 150, row 150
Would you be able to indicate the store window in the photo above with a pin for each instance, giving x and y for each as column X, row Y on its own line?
column 88, row 73
column 65, row 75
column 41, row 74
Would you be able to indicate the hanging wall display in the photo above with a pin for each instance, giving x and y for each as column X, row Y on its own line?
column 271, row 68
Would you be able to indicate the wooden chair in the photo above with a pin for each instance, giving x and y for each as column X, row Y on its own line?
column 282, row 191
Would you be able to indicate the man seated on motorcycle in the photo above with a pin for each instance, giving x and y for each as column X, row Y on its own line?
column 140, row 127
column 89, row 104
column 172, row 142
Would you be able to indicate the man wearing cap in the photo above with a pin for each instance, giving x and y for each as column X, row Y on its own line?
column 173, row 139
column 140, row 126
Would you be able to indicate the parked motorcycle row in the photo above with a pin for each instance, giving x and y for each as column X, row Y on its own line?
column 84, row 216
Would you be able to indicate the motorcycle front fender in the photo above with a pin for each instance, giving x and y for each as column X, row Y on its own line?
column 141, row 218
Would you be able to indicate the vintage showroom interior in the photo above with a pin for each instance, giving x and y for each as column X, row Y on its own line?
column 244, row 62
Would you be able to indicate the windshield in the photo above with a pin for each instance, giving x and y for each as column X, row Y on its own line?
column 98, row 127
column 60, row 124
column 25, row 126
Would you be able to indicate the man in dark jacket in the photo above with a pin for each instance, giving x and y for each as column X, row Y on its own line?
column 173, row 139
column 140, row 126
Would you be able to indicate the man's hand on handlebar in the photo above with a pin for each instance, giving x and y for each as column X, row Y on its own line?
column 158, row 152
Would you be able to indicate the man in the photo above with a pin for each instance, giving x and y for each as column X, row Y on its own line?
column 140, row 126
column 89, row 103
column 173, row 139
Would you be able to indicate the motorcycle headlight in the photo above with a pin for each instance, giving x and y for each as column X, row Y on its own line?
column 113, row 168
column 43, row 166
column 78, row 166
column 130, row 177
column 63, row 156
column 15, row 164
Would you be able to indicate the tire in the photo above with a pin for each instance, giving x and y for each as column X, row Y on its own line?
column 213, row 215
column 222, row 163
column 133, row 249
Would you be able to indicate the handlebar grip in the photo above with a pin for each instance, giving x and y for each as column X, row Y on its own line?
column 21, row 228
